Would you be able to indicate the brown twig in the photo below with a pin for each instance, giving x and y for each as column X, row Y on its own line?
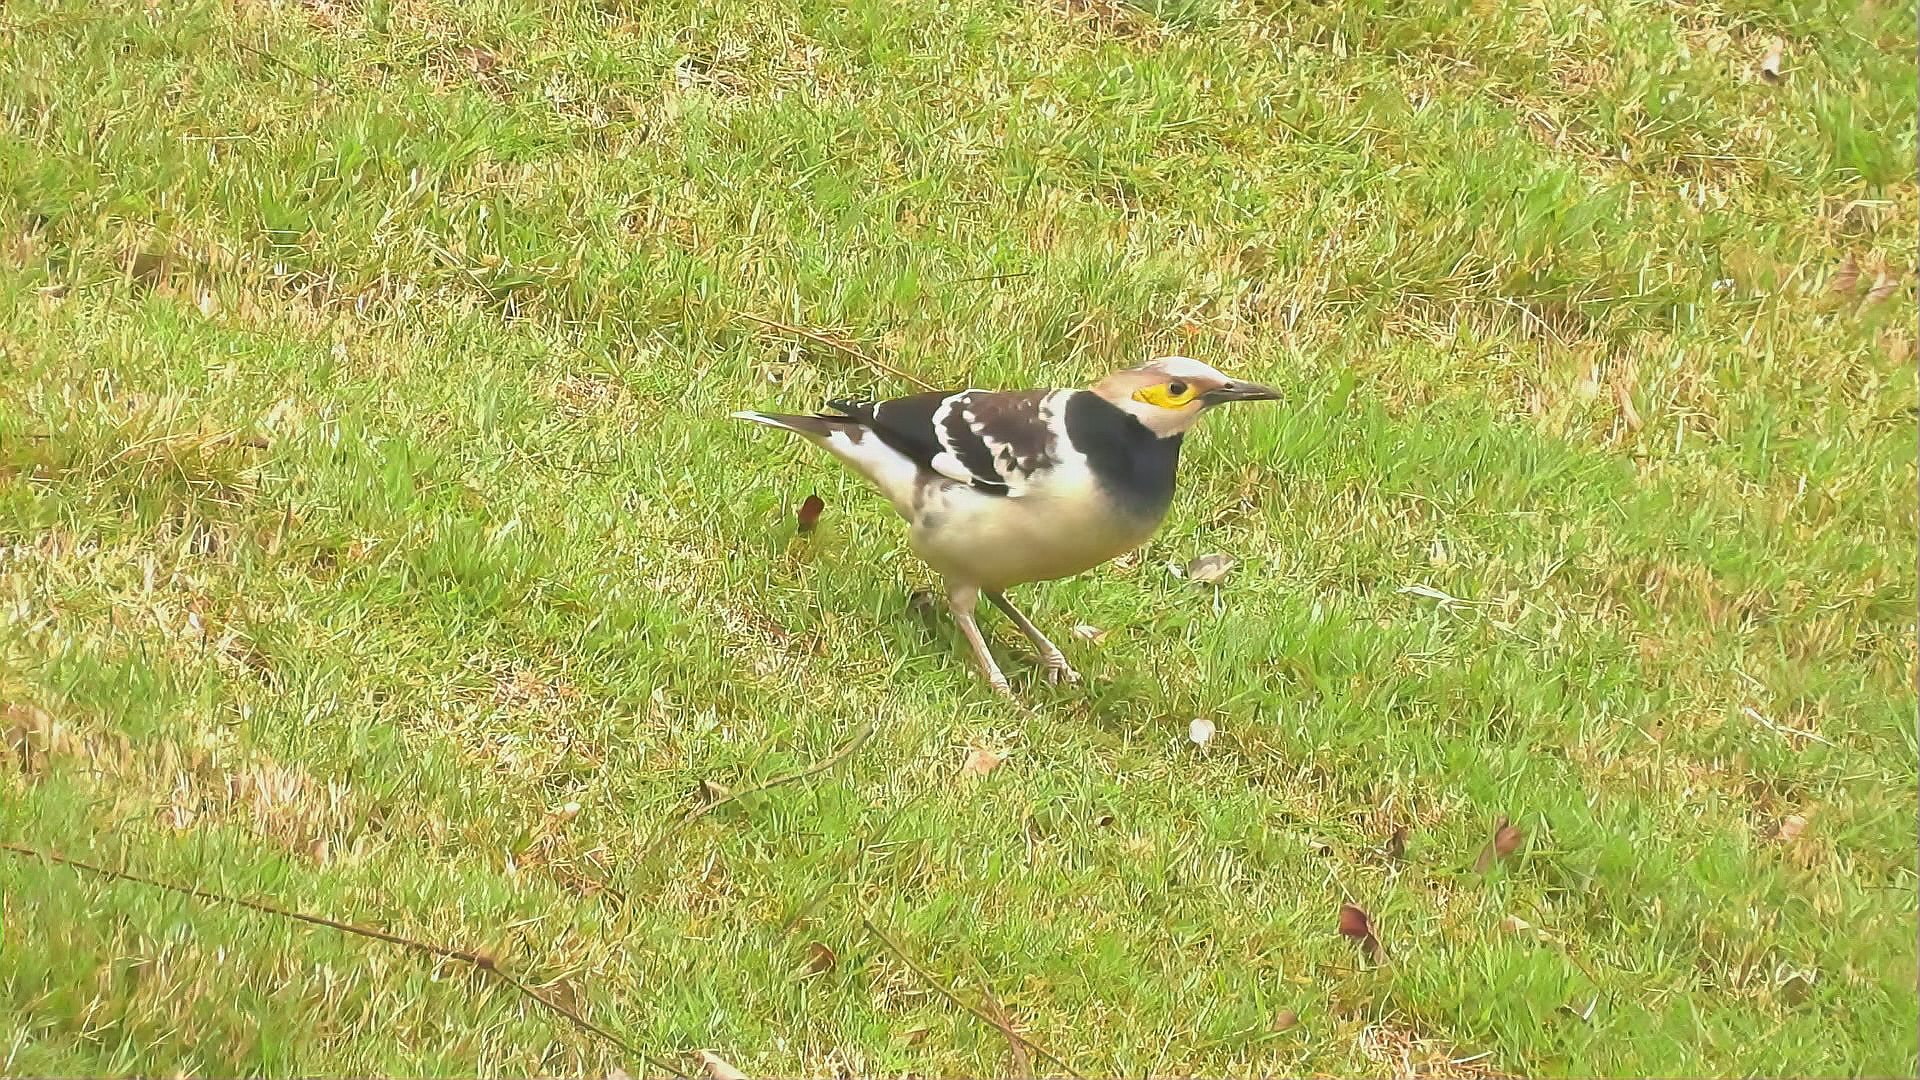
column 688, row 817
column 947, row 992
column 831, row 343
column 473, row 958
column 586, row 470
column 1009, row 276
column 324, row 82
column 1022, row 1063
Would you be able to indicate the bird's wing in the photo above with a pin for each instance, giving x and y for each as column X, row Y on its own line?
column 996, row 441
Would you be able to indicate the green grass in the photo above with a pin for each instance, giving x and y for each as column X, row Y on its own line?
column 367, row 498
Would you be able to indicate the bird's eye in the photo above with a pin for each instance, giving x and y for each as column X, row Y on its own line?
column 1177, row 389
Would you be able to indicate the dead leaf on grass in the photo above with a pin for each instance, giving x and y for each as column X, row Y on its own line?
column 1770, row 64
column 1506, row 840
column 1623, row 396
column 980, row 762
column 1110, row 16
column 32, row 737
column 1792, row 826
column 820, row 958
column 1797, row 987
column 1355, row 924
column 483, row 61
column 1884, row 284
column 1093, row 635
column 1847, row 277
column 1397, row 844
column 708, row 792
column 1286, row 1020
column 149, row 268
column 808, row 515
column 487, row 66
column 717, row 1066
column 915, row 1036
column 1209, row 569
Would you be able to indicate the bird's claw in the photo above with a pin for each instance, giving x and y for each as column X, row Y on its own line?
column 1058, row 672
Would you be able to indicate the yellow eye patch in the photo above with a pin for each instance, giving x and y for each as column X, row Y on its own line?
column 1163, row 394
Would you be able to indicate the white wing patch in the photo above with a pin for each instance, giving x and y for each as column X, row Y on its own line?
column 948, row 463
column 1005, row 444
column 949, row 466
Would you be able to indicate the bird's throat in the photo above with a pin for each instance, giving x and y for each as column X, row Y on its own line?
column 1132, row 465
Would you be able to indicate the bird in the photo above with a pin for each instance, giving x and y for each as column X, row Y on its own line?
column 1006, row 487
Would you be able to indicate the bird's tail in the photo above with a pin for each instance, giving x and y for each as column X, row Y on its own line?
column 845, row 437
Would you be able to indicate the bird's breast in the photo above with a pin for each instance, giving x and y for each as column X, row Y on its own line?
column 997, row 541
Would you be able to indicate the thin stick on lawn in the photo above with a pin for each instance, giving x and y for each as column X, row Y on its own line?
column 831, row 343
column 1022, row 1064
column 322, row 80
column 688, row 817
column 947, row 992
column 470, row 957
column 1009, row 276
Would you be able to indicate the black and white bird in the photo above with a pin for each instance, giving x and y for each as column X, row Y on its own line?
column 1000, row 488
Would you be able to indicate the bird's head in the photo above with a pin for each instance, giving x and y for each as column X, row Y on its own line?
column 1169, row 394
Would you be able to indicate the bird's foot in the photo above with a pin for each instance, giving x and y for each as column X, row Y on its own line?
column 1000, row 685
column 1058, row 671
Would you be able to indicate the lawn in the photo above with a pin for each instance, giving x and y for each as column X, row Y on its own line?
column 374, row 543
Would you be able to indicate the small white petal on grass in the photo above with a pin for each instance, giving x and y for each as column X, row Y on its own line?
column 1200, row 731
column 1089, row 633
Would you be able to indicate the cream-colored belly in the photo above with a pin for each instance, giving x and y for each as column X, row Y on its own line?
column 997, row 541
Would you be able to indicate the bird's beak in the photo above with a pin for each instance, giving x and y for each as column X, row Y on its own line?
column 1241, row 391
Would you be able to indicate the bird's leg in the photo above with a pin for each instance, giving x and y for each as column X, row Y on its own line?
column 1057, row 667
column 960, row 601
